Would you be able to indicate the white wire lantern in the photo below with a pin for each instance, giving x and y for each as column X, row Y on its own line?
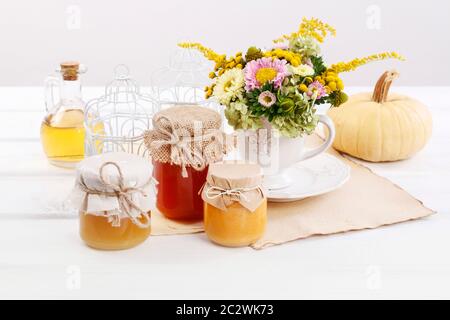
column 117, row 120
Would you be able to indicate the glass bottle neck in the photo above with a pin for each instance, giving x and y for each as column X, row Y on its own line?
column 71, row 93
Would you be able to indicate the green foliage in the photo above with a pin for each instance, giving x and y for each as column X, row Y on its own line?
column 306, row 46
column 337, row 98
column 253, row 53
column 292, row 114
column 239, row 118
column 318, row 65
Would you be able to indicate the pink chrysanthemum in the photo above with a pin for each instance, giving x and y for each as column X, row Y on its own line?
column 267, row 99
column 265, row 70
column 316, row 90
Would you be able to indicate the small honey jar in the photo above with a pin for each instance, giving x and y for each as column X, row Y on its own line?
column 235, row 204
column 114, row 192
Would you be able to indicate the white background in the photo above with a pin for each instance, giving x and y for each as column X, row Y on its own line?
column 36, row 35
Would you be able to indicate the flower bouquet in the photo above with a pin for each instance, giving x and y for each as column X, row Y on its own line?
column 283, row 84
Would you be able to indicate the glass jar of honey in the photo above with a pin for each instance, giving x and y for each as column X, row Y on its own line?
column 114, row 193
column 235, row 205
column 184, row 141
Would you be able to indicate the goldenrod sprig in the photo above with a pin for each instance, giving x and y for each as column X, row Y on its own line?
column 208, row 53
column 310, row 27
column 222, row 63
column 358, row 62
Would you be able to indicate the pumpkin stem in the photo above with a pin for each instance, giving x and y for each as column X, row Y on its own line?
column 381, row 91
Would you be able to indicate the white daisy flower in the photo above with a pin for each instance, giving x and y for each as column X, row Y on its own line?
column 229, row 86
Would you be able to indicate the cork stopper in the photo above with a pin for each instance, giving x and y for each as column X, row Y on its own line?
column 70, row 70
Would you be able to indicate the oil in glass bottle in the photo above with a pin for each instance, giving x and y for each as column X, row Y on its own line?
column 62, row 130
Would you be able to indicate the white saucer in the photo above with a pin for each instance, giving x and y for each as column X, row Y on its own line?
column 312, row 177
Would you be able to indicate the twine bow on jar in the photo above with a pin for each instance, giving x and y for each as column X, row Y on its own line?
column 185, row 149
column 214, row 192
column 231, row 182
column 123, row 195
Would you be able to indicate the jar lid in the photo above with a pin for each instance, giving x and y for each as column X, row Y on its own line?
column 234, row 181
column 117, row 185
column 186, row 135
column 187, row 117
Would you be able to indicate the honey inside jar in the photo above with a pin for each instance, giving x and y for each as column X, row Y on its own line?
column 184, row 141
column 178, row 197
column 235, row 205
column 237, row 226
column 97, row 232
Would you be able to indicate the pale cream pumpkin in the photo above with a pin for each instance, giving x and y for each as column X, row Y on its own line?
column 380, row 126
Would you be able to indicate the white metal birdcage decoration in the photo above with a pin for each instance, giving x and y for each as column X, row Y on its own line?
column 117, row 120
column 182, row 81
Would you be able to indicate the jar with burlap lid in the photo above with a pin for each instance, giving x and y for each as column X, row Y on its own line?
column 235, row 207
column 114, row 193
column 184, row 140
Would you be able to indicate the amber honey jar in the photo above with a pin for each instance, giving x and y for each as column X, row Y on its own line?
column 184, row 141
column 235, row 205
column 114, row 192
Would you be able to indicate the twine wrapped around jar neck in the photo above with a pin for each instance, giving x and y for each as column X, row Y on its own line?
column 116, row 186
column 187, row 136
column 123, row 195
column 230, row 182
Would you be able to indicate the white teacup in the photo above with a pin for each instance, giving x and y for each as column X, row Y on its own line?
column 275, row 153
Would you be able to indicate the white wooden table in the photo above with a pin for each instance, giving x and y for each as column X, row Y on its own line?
column 42, row 256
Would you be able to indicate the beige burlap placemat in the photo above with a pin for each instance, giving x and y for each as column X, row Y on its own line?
column 366, row 201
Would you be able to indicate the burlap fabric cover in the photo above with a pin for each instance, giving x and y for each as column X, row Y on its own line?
column 234, row 181
column 186, row 136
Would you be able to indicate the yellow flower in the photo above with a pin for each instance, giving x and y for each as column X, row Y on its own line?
column 303, row 87
column 358, row 62
column 209, row 91
column 320, row 80
column 291, row 57
column 331, row 81
column 332, row 85
column 310, row 27
column 265, row 75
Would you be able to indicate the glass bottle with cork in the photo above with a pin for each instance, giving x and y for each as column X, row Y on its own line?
column 62, row 130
